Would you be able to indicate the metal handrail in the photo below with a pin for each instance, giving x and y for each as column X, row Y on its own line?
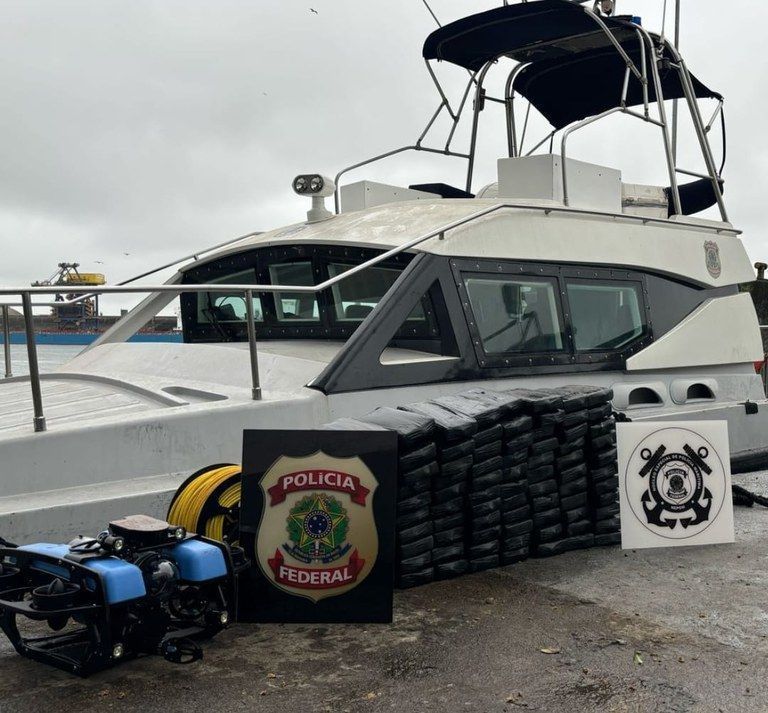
column 248, row 289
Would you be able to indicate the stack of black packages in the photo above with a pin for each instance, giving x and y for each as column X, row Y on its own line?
column 603, row 468
column 546, row 410
column 417, row 466
column 455, row 447
column 517, row 438
column 483, row 499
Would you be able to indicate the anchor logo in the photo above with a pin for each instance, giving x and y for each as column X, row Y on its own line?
column 675, row 483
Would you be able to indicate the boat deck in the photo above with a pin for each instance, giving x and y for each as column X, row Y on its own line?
column 672, row 630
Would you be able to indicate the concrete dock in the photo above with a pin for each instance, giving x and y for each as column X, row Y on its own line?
column 598, row 630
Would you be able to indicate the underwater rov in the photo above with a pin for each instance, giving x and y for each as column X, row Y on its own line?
column 141, row 587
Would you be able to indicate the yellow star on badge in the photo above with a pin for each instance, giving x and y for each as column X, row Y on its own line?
column 317, row 504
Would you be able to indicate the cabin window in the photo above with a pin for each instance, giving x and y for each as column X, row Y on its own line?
column 515, row 314
column 355, row 297
column 605, row 315
column 294, row 306
column 214, row 308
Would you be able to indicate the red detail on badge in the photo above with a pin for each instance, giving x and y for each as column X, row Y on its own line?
column 322, row 479
column 304, row 578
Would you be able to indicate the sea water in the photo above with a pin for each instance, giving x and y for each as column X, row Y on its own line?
column 49, row 357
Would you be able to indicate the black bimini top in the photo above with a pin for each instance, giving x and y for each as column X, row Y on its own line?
column 574, row 70
column 570, row 89
column 525, row 32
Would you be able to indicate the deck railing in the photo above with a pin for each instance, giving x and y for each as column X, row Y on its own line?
column 247, row 290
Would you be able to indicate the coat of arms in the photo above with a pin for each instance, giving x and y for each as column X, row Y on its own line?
column 317, row 537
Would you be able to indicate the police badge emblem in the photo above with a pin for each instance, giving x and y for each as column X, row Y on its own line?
column 712, row 258
column 675, row 483
column 317, row 537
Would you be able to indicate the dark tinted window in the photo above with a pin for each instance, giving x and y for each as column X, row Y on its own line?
column 605, row 315
column 515, row 314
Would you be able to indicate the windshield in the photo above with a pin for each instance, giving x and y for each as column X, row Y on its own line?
column 333, row 313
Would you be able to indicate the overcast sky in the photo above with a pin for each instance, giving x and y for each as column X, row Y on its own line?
column 136, row 131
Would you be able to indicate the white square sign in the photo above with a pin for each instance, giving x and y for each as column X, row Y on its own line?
column 674, row 483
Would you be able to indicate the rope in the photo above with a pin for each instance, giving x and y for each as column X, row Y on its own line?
column 208, row 503
column 745, row 498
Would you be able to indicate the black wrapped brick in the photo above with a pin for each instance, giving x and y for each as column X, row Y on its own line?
column 574, row 501
column 574, row 487
column 412, row 518
column 451, row 427
column 411, row 428
column 543, row 488
column 448, row 508
column 447, row 553
column 478, row 537
column 485, row 481
column 523, row 527
column 406, row 581
column 483, row 563
column 448, row 522
column 448, row 570
column 417, row 547
column 450, row 537
column 416, row 532
column 450, row 493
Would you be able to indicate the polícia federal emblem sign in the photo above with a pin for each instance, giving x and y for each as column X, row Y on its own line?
column 712, row 258
column 317, row 537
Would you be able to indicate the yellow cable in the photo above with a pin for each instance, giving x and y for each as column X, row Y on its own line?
column 190, row 501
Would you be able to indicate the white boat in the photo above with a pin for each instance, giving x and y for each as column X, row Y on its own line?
column 555, row 273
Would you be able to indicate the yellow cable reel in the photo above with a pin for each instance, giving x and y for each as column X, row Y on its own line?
column 208, row 503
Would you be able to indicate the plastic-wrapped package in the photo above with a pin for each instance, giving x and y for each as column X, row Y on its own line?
column 486, row 466
column 449, row 493
column 484, row 482
column 489, row 450
column 416, row 532
column 411, row 428
column 580, row 527
column 449, row 570
column 484, row 413
column 448, row 522
column 508, row 557
column 483, row 563
column 511, row 406
column 523, row 527
column 417, row 502
column 458, row 449
column 415, row 564
column 405, row 581
column 447, row 553
column 451, row 537
column 517, row 542
column 548, row 444
column 478, row 537
column 483, row 550
column 414, row 548
column 512, row 517
column 542, row 488
column 448, row 508
column 607, row 539
column 450, row 426
column 549, row 533
column 351, row 424
column 517, row 426
column 488, row 434
column 544, row 519
column 406, row 520
column 537, row 401
column 417, row 457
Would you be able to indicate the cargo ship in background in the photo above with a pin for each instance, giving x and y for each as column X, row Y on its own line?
column 80, row 322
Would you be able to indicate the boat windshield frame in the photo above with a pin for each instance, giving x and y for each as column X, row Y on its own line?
column 321, row 317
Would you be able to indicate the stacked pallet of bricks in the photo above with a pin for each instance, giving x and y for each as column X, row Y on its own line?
column 482, row 503
column 602, row 467
column 455, row 448
column 489, row 478
column 515, row 516
column 417, row 466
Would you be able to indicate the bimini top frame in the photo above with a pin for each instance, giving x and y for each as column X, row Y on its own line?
column 576, row 67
